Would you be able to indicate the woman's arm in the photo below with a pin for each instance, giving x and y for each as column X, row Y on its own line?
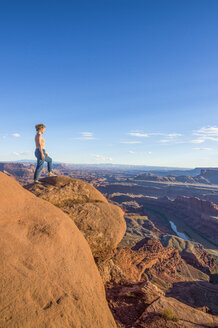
column 39, row 137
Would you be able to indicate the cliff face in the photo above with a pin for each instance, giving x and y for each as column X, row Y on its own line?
column 158, row 279
column 196, row 204
column 210, row 174
column 148, row 258
column 22, row 172
column 18, row 169
column 193, row 253
column 48, row 274
column 199, row 214
column 173, row 179
column 102, row 223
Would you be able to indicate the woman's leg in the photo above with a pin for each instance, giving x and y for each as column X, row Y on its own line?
column 39, row 166
column 49, row 161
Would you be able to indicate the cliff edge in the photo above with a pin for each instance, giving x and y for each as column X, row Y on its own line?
column 101, row 222
column 48, row 274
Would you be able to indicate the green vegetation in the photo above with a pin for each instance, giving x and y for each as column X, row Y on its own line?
column 168, row 314
column 130, row 294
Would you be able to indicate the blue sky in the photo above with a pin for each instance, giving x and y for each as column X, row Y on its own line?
column 114, row 81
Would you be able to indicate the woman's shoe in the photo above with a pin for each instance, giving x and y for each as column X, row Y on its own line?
column 37, row 181
column 51, row 174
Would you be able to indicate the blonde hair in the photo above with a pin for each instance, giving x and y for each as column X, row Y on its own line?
column 39, row 126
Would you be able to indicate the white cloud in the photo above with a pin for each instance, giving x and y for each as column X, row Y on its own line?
column 207, row 131
column 16, row 135
column 212, row 138
column 138, row 134
column 173, row 135
column 24, row 153
column 131, row 152
column 165, row 140
column 85, row 136
column 149, row 152
column 130, row 142
column 156, row 134
column 102, row 158
column 202, row 148
column 197, row 141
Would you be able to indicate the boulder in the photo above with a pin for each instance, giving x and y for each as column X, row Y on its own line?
column 48, row 274
column 101, row 222
column 187, row 316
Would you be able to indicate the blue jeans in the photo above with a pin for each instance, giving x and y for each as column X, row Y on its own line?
column 40, row 163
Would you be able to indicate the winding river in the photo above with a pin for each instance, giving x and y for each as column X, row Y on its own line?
column 179, row 234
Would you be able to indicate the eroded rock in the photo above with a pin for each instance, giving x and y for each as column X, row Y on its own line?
column 48, row 274
column 102, row 223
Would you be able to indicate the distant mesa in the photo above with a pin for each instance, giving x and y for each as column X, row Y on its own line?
column 206, row 176
column 22, row 172
column 210, row 175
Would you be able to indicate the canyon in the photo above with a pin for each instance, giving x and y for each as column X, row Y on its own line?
column 131, row 264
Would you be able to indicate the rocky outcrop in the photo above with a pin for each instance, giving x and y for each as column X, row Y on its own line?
column 48, row 274
column 173, row 179
column 143, row 304
column 192, row 252
column 23, row 173
column 129, row 301
column 201, row 215
column 210, row 174
column 101, row 222
column 198, row 294
column 149, row 259
column 197, row 205
column 187, row 316
column 138, row 227
column 17, row 169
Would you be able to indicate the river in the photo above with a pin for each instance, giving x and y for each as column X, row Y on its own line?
column 179, row 234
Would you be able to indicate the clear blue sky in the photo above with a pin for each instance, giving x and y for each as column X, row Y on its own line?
column 119, row 81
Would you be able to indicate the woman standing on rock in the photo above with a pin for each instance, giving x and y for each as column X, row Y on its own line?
column 40, row 153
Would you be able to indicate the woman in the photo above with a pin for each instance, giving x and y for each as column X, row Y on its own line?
column 40, row 153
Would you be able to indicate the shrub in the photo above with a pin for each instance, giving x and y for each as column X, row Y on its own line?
column 130, row 294
column 168, row 314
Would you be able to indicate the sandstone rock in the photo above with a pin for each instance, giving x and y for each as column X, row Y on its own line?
column 148, row 256
column 129, row 300
column 210, row 174
column 188, row 316
column 102, row 223
column 138, row 227
column 109, row 271
column 181, row 178
column 23, row 173
column 192, row 252
column 48, row 274
column 198, row 294
column 201, row 215
column 141, row 305
column 149, row 260
column 148, row 291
